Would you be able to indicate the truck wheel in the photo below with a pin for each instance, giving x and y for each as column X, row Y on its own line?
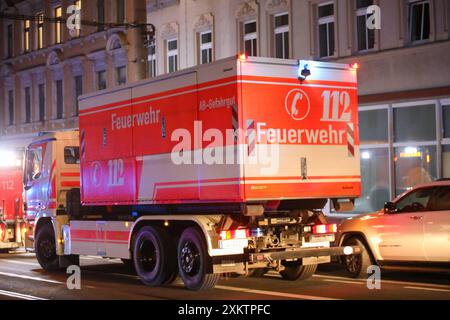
column 294, row 270
column 257, row 273
column 193, row 261
column 154, row 256
column 45, row 247
column 357, row 264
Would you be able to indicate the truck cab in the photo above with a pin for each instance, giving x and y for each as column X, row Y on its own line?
column 52, row 167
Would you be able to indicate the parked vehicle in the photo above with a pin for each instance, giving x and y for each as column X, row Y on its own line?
column 413, row 230
column 166, row 172
column 12, row 226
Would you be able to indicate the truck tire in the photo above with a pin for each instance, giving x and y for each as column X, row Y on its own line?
column 257, row 273
column 193, row 261
column 45, row 247
column 356, row 265
column 294, row 270
column 154, row 256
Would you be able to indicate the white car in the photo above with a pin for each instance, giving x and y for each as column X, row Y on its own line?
column 413, row 230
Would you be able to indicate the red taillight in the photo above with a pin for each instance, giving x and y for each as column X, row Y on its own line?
column 325, row 228
column 234, row 234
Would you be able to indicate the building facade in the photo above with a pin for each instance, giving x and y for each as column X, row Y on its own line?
column 45, row 65
column 404, row 79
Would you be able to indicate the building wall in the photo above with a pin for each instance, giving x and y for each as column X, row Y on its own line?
column 404, row 85
column 94, row 49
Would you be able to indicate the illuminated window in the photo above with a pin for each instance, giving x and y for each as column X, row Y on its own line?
column 40, row 31
column 152, row 60
column 26, row 35
column 77, row 4
column 366, row 36
column 206, row 47
column 58, row 25
column 172, row 55
column 281, row 36
column 326, row 30
column 419, row 20
column 251, row 39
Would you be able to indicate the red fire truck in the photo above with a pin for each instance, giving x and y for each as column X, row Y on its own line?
column 222, row 168
column 12, row 225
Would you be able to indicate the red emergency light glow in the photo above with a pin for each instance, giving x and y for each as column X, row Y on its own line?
column 355, row 66
column 2, row 231
column 243, row 57
column 325, row 228
column 234, row 234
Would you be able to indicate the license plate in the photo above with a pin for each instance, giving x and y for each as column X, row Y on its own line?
column 322, row 238
column 233, row 244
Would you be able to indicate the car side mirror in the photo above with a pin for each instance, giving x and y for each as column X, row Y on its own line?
column 390, row 208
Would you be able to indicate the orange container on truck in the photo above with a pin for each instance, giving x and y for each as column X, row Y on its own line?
column 221, row 168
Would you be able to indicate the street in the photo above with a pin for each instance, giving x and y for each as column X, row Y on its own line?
column 21, row 278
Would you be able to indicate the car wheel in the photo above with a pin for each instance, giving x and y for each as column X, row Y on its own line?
column 357, row 264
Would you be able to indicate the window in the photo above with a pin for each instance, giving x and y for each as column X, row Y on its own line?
column 26, row 36
column 440, row 199
column 206, row 48
column 41, row 89
column 27, row 105
column 419, row 24
column 72, row 155
column 101, row 14
column 251, row 39
column 10, row 43
column 58, row 25
column 366, row 36
column 33, row 164
column 413, row 166
column 446, row 118
column 375, row 180
column 40, row 31
column 11, row 107
column 59, row 99
column 374, row 126
column 326, row 30
column 121, row 75
column 77, row 4
column 282, row 36
column 446, row 161
column 416, row 123
column 415, row 201
column 172, row 55
column 152, row 60
column 78, row 92
column 101, row 80
column 120, row 11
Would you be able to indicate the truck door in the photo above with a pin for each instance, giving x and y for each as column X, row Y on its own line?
column 34, row 180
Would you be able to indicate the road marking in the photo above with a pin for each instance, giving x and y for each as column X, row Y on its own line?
column 21, row 262
column 21, row 276
column 388, row 282
column 427, row 289
column 342, row 281
column 274, row 293
column 19, row 295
